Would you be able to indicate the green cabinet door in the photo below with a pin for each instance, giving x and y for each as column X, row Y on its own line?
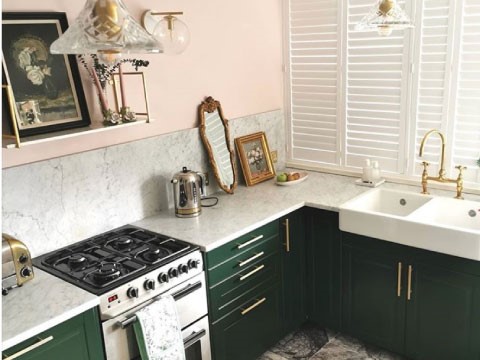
column 249, row 330
column 372, row 308
column 323, row 267
column 443, row 315
column 292, row 242
column 76, row 339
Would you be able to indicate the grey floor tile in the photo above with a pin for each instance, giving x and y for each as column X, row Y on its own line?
column 301, row 344
column 271, row 356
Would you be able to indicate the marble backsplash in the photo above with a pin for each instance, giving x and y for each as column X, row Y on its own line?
column 53, row 203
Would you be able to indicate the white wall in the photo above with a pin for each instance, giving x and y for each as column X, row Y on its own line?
column 235, row 55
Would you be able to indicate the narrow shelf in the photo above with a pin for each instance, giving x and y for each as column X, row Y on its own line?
column 58, row 135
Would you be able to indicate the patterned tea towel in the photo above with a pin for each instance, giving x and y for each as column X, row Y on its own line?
column 158, row 331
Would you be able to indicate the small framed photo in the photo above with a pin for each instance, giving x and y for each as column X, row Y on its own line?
column 255, row 158
column 47, row 90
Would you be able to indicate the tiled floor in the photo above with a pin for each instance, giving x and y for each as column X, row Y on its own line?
column 314, row 343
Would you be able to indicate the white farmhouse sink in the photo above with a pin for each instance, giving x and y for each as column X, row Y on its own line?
column 445, row 225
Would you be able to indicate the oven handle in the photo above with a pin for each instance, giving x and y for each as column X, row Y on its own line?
column 176, row 296
column 193, row 338
column 187, row 290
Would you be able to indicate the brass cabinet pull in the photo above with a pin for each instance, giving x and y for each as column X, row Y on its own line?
column 287, row 234
column 29, row 348
column 245, row 262
column 246, row 243
column 409, row 282
column 251, row 307
column 257, row 268
column 399, row 279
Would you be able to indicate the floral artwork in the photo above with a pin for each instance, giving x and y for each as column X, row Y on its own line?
column 47, row 91
column 255, row 158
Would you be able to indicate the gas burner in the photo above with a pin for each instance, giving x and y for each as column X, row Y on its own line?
column 106, row 272
column 122, row 243
column 152, row 255
column 77, row 261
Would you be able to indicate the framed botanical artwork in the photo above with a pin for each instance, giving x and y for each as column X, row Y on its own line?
column 255, row 158
column 47, row 89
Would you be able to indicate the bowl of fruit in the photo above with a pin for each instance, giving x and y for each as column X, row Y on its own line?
column 291, row 178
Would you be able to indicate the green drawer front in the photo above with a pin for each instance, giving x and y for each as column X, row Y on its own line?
column 226, row 295
column 245, row 337
column 76, row 339
column 241, row 244
column 262, row 249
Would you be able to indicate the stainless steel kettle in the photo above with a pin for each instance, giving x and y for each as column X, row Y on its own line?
column 188, row 189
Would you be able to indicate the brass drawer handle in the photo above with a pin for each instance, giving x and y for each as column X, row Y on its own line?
column 287, row 235
column 246, row 243
column 245, row 262
column 409, row 282
column 399, row 279
column 251, row 307
column 258, row 268
column 29, row 348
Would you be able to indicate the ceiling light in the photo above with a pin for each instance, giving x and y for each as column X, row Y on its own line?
column 105, row 28
column 385, row 16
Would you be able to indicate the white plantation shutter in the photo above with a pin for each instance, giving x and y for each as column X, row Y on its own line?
column 355, row 94
column 466, row 126
column 314, row 48
column 432, row 95
column 376, row 93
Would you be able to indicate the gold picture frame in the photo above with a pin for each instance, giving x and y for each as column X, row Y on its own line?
column 133, row 82
column 255, row 159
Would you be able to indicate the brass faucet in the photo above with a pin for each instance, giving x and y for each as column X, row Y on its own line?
column 441, row 173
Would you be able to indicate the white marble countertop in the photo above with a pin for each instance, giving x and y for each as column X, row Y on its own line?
column 251, row 207
column 40, row 304
column 47, row 301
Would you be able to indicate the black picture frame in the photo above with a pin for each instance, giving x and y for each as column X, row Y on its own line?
column 47, row 88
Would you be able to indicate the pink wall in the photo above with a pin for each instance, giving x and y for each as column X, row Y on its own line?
column 235, row 55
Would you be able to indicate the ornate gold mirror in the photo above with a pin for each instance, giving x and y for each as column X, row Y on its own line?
column 216, row 138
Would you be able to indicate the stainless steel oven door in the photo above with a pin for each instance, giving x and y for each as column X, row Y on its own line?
column 196, row 339
column 191, row 300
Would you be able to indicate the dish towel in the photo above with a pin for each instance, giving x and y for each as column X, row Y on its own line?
column 158, row 331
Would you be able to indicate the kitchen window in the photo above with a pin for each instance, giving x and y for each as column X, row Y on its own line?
column 354, row 95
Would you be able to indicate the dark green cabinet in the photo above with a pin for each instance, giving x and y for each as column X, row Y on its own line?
column 251, row 329
column 245, row 294
column 323, row 267
column 443, row 315
column 372, row 309
column 76, row 339
column 292, row 238
column 415, row 302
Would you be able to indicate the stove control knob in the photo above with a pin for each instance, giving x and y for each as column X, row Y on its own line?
column 182, row 269
column 163, row 278
column 132, row 292
column 172, row 273
column 149, row 284
column 193, row 263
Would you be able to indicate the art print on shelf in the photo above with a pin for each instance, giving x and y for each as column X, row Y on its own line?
column 255, row 158
column 47, row 89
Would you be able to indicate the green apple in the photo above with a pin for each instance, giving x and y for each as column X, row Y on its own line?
column 282, row 177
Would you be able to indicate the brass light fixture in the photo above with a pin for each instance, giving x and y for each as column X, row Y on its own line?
column 105, row 28
column 384, row 17
column 168, row 30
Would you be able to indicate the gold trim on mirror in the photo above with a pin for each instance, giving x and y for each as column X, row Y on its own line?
column 209, row 106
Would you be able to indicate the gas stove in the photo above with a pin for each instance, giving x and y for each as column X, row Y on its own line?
column 106, row 261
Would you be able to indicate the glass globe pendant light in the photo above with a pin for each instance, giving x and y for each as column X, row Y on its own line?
column 105, row 28
column 384, row 17
column 169, row 31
